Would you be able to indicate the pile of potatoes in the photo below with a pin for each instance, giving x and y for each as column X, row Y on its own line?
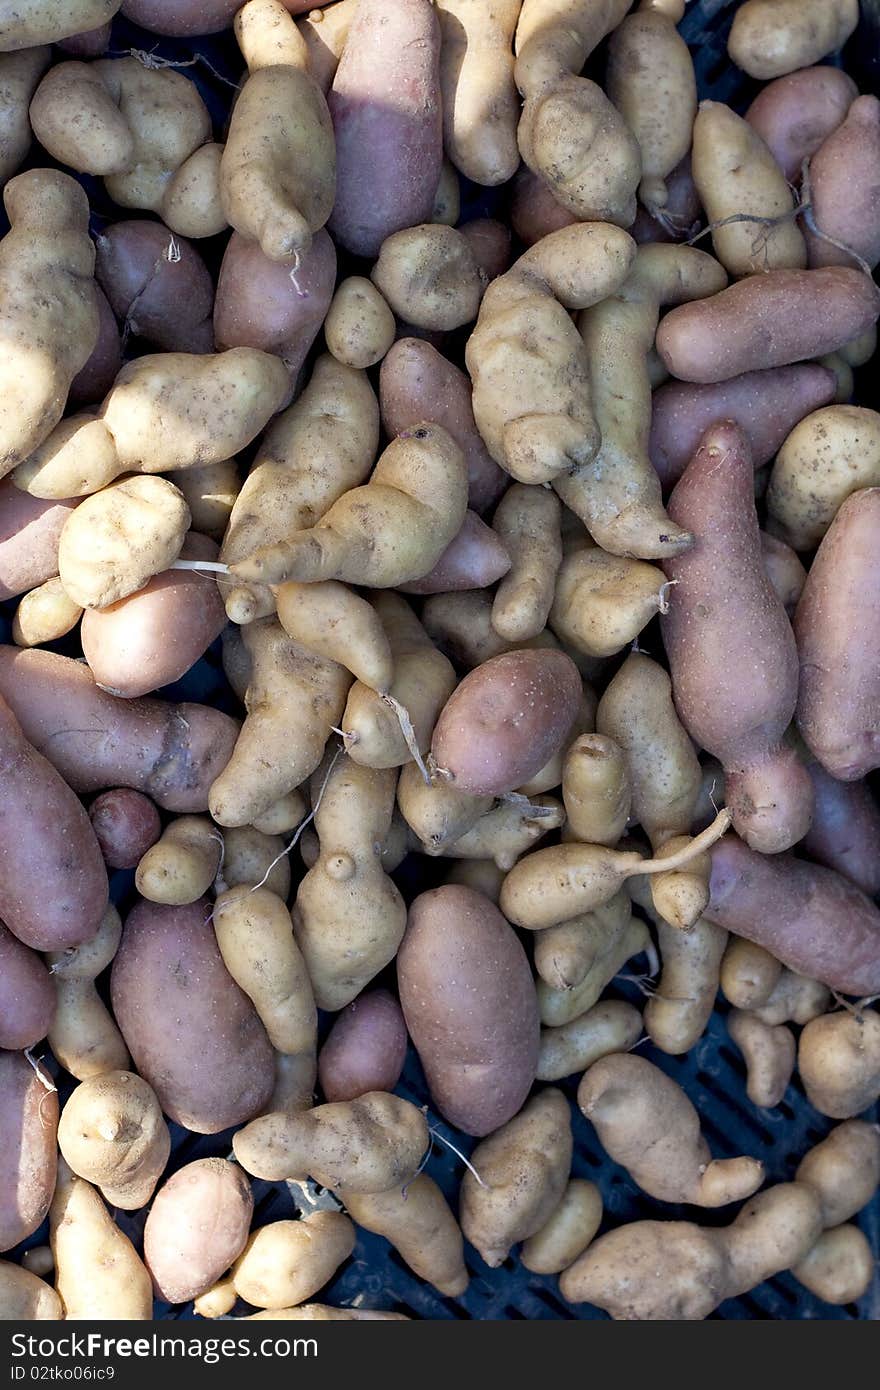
column 542, row 556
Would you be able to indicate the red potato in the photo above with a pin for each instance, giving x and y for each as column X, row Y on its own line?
column 171, row 752
column 27, row 995
column 365, row 1049
column 416, row 383
column 845, row 834
column 156, row 634
column 534, row 212
column 475, row 559
column 92, row 44
column 731, row 650
column 767, row 320
column 845, row 190
column 766, row 406
column 276, row 306
column 506, row 720
column 470, row 1006
column 197, row 1226
column 30, row 529
column 794, row 114
column 784, row 570
column 181, row 18
column 389, row 154
column 53, row 884
column 157, row 284
column 837, row 626
column 192, row 1033
column 93, row 381
column 28, row 1147
column 126, row 824
column 812, row 919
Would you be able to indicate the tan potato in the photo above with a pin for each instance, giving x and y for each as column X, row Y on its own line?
column 528, row 522
column 773, row 37
column 523, row 1169
column 324, row 33
column 20, row 72
column 333, row 621
column 566, row 954
column 828, row 456
column 437, row 812
column 480, row 103
column 793, row 999
column 44, row 615
column 257, row 859
column 98, row 1273
column 359, row 327
column 113, row 1135
column 769, row 1055
column 197, row 1226
column 430, row 276
column 28, row 1126
column 420, row 1226
column 370, row 1144
column 596, row 790
column 84, row 1036
column 839, row 1062
column 559, row 1005
column 349, row 917
column 284, row 814
column 840, row 1267
column 567, row 1231
column 181, row 866
column 210, row 490
column 748, row 974
column 508, row 831
column 286, row 1262
column 25, row 1298
column 255, row 936
column 609, row 1026
column 482, row 875
column 191, row 204
column 38, row 1260
column 34, row 21
column 843, row 1170
column 100, row 139
column 679, row 1009
column 603, row 601
column 219, row 1300
column 646, row 1123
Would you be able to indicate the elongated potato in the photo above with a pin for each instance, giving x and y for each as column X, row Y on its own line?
column 567, row 1231
column 28, row 1151
column 286, row 1262
column 610, row 1026
column 255, row 936
column 480, row 104
column 773, row 37
column 27, row 999
column 30, row 529
column 197, row 1226
column 98, row 1272
column 419, row 1224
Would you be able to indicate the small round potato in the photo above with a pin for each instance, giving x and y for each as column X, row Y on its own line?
column 366, row 1048
column 359, row 327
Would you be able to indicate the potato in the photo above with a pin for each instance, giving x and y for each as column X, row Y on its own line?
column 429, row 274
column 579, row 956
column 191, row 205
column 174, row 17
column 365, row 1049
column 98, row 1272
column 181, row 866
column 678, row 1011
column 767, row 321
column 25, row 1298
column 839, row 1062
column 845, row 833
column 772, row 37
column 251, row 857
column 27, row 998
column 164, row 952
column 523, row 1169
column 197, row 1227
column 38, row 1260
column 769, row 1055
column 112, row 1134
column 171, row 752
column 723, row 621
column 749, row 974
column 30, row 529
column 793, row 999
column 49, row 319
column 101, row 141
column 784, row 570
column 210, row 490
column 813, row 920
column 20, row 72
column 603, row 601
column 83, row 1036
column 829, row 455
column 835, row 624
column 255, row 936
column 506, row 720
column 53, row 884
column 567, row 1231
column 44, row 615
column 474, row 559
column 286, row 1262
column 508, row 830
column 676, row 1270
column 296, row 1076
column 419, row 1224
column 323, row 1312
column 534, row 212
column 796, row 113
column 34, row 21
column 610, row 1026
column 528, row 523
column 94, row 380
column 388, row 157
column 479, row 98
column 470, row 1008
column 840, row 1267
column 596, row 790
column 843, row 1170
column 844, row 181
column 359, row 327
column 28, row 1125
column 157, row 284
column 370, row 1144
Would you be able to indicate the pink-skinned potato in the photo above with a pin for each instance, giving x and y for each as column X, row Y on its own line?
column 845, row 833
column 680, row 216
column 814, row 920
column 766, row 406
column 470, row 1006
column 157, row 283
column 534, row 212
column 767, row 320
column 181, row 18
column 796, row 113
column 474, row 559
column 275, row 306
column 27, row 995
column 126, row 824
column 389, row 153
column 171, row 752
column 845, row 190
column 30, row 529
column 155, row 635
column 417, row 383
column 365, row 1049
column 53, row 884
column 837, row 626
column 194, row 1036
column 197, row 1226
column 731, row 650
column 506, row 720
column 28, row 1147
column 93, row 381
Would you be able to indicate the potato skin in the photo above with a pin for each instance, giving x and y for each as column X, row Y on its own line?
column 30, row 529
column 126, row 824
column 812, row 919
column 366, row 1048
column 53, row 884
column 155, row 635
column 166, row 299
column 94, row 380
column 27, row 998
column 193, row 1034
column 388, row 157
column 470, row 1007
column 28, row 1148
column 181, row 18
column 796, row 113
column 845, row 834
column 506, row 720
column 197, row 1226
